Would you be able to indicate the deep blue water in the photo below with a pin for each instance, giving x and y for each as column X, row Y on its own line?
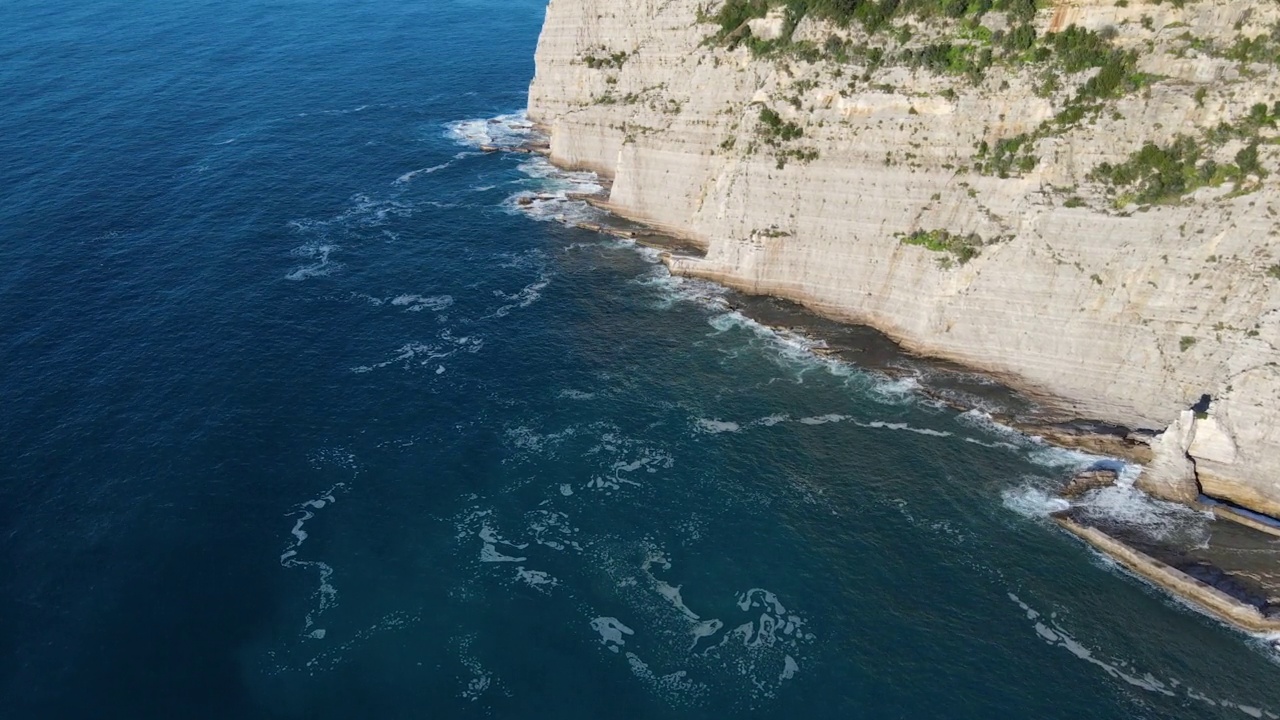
column 304, row 417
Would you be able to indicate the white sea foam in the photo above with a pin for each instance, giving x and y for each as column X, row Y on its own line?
column 982, row 420
column 322, row 265
column 526, row 438
column 1052, row 632
column 504, row 131
column 418, row 303
column 552, row 529
column 704, row 629
column 665, row 589
column 363, row 213
column 332, row 653
column 481, row 680
column 550, row 196
column 707, row 425
column 554, row 195
column 791, row 350
column 376, row 302
column 326, row 594
column 409, row 176
column 489, row 551
column 619, row 454
column 881, row 424
column 1038, row 451
column 789, row 668
column 648, row 459
column 1126, row 505
column 611, row 632
column 674, row 289
column 1032, row 502
column 1058, row 457
column 1121, row 504
column 523, row 298
column 536, row 579
column 420, row 354
column 679, row 645
column 675, row 687
column 897, row 391
column 998, row 444
column 714, row 427
column 823, row 419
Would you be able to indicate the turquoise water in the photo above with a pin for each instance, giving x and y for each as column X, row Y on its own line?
column 307, row 417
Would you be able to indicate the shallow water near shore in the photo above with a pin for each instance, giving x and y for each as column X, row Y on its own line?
column 307, row 417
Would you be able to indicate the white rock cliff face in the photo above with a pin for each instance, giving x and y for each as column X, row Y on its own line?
column 1130, row 314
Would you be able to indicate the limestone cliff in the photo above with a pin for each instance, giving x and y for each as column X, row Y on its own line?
column 976, row 190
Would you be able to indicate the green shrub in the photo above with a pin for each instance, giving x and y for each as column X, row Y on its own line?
column 963, row 247
column 775, row 129
column 1008, row 154
column 1077, row 49
column 735, row 13
column 1157, row 174
column 614, row 60
column 1247, row 160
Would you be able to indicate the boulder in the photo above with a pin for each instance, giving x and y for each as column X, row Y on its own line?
column 1089, row 480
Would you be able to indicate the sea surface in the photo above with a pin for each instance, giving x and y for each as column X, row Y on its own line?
column 305, row 415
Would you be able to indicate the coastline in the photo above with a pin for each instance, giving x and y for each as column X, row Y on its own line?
column 1220, row 604
column 1054, row 420
column 1059, row 420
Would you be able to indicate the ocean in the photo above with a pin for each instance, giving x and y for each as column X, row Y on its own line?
column 306, row 414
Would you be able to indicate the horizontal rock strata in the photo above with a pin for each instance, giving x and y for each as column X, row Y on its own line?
column 839, row 196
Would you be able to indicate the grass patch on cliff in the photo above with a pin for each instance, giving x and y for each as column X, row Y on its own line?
column 1116, row 76
column 969, row 50
column 962, row 248
column 1164, row 174
column 1160, row 175
column 873, row 15
column 605, row 62
column 774, row 131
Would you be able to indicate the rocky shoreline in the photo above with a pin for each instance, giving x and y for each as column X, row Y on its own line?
column 1226, row 593
column 1223, row 594
column 976, row 217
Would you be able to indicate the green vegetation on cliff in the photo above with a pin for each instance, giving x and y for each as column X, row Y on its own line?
column 872, row 15
column 968, row 49
column 1163, row 174
column 962, row 248
column 1082, row 73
